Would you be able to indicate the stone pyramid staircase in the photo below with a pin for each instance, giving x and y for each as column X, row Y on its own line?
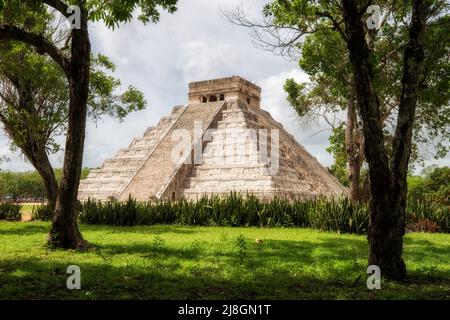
column 246, row 170
column 231, row 160
column 111, row 179
column 159, row 168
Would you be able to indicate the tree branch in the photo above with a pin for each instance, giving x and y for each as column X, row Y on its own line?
column 41, row 44
column 336, row 24
column 268, row 35
column 58, row 5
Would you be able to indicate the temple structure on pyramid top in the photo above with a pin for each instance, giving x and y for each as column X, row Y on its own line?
column 220, row 142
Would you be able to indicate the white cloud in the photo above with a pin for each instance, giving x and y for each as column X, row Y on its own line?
column 199, row 60
column 274, row 100
column 274, row 97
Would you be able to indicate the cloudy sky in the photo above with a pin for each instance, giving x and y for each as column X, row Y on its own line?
column 193, row 44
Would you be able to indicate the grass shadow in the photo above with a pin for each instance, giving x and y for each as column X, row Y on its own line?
column 39, row 279
column 23, row 228
column 155, row 229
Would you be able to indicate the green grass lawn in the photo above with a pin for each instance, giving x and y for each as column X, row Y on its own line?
column 174, row 262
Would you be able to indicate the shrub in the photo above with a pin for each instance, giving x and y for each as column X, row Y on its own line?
column 10, row 212
column 42, row 212
column 158, row 243
column 421, row 210
column 340, row 215
column 433, row 187
column 241, row 248
column 417, row 224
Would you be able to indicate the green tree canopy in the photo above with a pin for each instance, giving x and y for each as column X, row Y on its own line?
column 25, row 22
column 330, row 71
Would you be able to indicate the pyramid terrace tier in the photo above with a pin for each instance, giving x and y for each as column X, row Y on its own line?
column 115, row 174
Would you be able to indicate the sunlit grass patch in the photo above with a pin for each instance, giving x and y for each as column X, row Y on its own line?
column 180, row 262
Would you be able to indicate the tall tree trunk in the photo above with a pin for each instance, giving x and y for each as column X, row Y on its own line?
column 37, row 155
column 365, row 189
column 388, row 188
column 412, row 71
column 354, row 179
column 352, row 145
column 64, row 232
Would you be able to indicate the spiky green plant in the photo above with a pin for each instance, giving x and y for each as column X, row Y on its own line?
column 10, row 211
column 341, row 215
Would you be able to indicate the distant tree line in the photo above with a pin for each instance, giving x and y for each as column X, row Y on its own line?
column 26, row 186
column 432, row 186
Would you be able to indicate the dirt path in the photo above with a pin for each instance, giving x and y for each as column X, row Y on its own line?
column 26, row 216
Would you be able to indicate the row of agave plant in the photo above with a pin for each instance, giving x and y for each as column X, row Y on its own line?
column 10, row 211
column 340, row 215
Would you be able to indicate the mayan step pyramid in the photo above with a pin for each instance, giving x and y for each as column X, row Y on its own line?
column 230, row 145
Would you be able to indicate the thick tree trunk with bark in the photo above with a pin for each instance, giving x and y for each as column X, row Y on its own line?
column 354, row 177
column 365, row 189
column 37, row 155
column 412, row 71
column 64, row 232
column 387, row 183
column 353, row 149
